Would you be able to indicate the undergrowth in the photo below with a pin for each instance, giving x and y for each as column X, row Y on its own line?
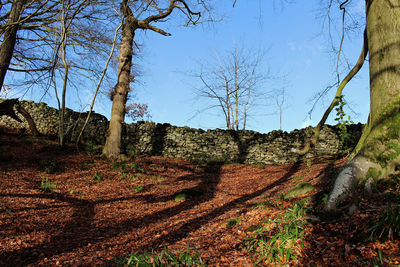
column 127, row 167
column 189, row 257
column 281, row 239
column 46, row 185
column 387, row 225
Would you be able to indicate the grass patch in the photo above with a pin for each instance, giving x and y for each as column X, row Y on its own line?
column 189, row 257
column 127, row 167
column 126, row 177
column 387, row 225
column 258, row 165
column 97, row 177
column 46, row 185
column 183, row 194
column 279, row 241
column 233, row 222
column 93, row 148
column 138, row 188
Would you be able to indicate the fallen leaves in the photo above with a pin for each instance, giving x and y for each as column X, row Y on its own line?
column 87, row 222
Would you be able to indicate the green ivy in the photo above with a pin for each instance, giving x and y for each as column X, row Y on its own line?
column 343, row 120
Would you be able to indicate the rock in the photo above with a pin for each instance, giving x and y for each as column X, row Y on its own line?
column 183, row 194
column 300, row 189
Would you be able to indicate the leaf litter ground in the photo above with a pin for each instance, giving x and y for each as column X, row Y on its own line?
column 99, row 210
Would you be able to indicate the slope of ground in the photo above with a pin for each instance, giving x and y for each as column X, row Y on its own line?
column 70, row 208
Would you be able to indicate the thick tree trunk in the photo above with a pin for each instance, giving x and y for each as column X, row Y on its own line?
column 9, row 38
column 112, row 148
column 377, row 154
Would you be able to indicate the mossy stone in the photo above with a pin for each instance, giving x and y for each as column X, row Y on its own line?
column 183, row 194
column 300, row 189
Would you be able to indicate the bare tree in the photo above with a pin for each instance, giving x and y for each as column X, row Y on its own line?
column 140, row 15
column 280, row 99
column 59, row 43
column 232, row 83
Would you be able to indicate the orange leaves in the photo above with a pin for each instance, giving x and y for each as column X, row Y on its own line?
column 137, row 111
column 88, row 222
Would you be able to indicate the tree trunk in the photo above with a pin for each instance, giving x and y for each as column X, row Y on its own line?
column 61, row 126
column 10, row 36
column 112, row 148
column 377, row 154
column 7, row 109
column 29, row 119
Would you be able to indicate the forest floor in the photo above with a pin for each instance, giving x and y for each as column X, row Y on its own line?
column 73, row 208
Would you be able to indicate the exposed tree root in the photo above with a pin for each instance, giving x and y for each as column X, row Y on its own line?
column 347, row 181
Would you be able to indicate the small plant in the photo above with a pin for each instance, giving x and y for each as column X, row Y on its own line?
column 138, row 188
column 131, row 151
column 46, row 185
column 180, row 197
column 139, row 175
column 266, row 203
column 233, row 222
column 259, row 165
column 279, row 241
column 157, row 178
column 189, row 257
column 309, row 163
column 298, row 177
column 387, row 225
column 97, row 177
column 92, row 148
column 127, row 167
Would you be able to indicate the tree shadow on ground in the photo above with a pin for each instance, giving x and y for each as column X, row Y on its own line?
column 81, row 230
column 196, row 223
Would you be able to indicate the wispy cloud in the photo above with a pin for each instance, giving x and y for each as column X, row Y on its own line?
column 292, row 46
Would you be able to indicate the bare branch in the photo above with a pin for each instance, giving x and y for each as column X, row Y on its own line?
column 349, row 76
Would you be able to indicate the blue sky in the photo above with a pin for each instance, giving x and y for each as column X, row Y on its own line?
column 297, row 47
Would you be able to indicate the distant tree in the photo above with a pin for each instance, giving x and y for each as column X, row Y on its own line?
column 137, row 111
column 139, row 15
column 280, row 98
column 232, row 83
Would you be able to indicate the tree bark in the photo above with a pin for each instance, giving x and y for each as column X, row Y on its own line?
column 377, row 154
column 29, row 119
column 7, row 109
column 112, row 148
column 10, row 36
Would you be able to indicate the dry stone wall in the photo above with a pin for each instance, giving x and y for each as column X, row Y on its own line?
column 150, row 138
